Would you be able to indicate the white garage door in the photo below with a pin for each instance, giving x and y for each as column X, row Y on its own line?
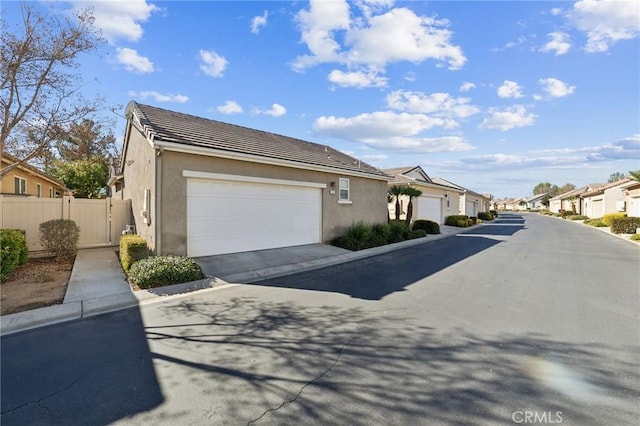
column 470, row 208
column 598, row 208
column 429, row 208
column 636, row 207
column 227, row 217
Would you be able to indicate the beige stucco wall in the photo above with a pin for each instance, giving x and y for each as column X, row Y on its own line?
column 139, row 174
column 454, row 202
column 368, row 196
column 633, row 202
column 7, row 186
column 611, row 198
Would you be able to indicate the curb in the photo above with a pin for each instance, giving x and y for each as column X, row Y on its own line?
column 27, row 320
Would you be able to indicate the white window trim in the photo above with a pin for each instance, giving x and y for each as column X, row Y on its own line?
column 343, row 188
column 20, row 179
column 250, row 179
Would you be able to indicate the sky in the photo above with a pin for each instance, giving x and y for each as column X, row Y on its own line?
column 495, row 96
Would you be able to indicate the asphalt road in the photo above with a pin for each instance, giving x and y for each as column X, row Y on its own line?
column 527, row 320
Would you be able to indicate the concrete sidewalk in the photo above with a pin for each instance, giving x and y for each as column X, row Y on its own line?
column 98, row 284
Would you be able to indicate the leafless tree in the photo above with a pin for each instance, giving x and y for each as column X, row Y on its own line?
column 40, row 84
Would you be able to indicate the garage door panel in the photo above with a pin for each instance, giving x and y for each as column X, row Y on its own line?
column 430, row 208
column 228, row 217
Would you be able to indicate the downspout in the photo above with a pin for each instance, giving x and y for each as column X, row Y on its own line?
column 158, row 197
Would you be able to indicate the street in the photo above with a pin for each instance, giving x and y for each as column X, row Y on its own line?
column 529, row 319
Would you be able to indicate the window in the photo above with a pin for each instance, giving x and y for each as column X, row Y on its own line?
column 447, row 197
column 20, row 185
column 50, row 192
column 344, row 188
column 38, row 190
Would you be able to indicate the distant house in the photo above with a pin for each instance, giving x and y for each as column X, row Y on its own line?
column 470, row 203
column 535, row 202
column 28, row 181
column 631, row 191
column 608, row 198
column 571, row 200
column 436, row 202
column 201, row 187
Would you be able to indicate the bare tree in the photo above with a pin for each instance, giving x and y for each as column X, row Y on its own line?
column 40, row 89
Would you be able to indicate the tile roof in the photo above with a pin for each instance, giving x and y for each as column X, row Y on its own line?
column 185, row 129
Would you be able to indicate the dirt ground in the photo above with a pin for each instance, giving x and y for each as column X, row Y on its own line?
column 40, row 282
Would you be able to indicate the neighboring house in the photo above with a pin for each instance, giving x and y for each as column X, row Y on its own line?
column 470, row 203
column 608, row 198
column 571, row 200
column 202, row 187
column 28, row 181
column 631, row 191
column 535, row 202
column 436, row 202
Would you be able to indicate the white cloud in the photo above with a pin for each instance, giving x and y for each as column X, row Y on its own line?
column 555, row 88
column 437, row 104
column 132, row 61
column 560, row 43
column 466, row 86
column 276, row 110
column 391, row 130
column 605, row 22
column 375, row 39
column 158, row 97
column 259, row 21
column 510, row 89
column 119, row 19
column 212, row 63
column 509, row 45
column 357, row 79
column 507, row 118
column 229, row 107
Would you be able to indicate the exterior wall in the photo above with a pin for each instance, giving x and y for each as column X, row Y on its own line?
column 592, row 206
column 442, row 193
column 613, row 199
column 139, row 174
column 555, row 206
column 7, row 186
column 633, row 202
column 368, row 196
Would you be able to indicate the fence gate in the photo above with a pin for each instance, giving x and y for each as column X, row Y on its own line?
column 101, row 222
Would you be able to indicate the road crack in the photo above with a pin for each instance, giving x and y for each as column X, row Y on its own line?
column 320, row 376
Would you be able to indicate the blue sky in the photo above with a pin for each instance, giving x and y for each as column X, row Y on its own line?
column 495, row 96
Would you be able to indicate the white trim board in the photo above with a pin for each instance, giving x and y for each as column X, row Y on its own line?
column 250, row 179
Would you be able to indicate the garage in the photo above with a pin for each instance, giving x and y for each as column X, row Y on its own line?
column 231, row 214
column 430, row 208
column 470, row 208
column 597, row 208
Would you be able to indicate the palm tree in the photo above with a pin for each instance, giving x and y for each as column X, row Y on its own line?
column 396, row 191
column 411, row 192
column 634, row 175
column 389, row 200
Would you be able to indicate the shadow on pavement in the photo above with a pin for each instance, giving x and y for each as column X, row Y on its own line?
column 286, row 364
column 369, row 278
column 93, row 372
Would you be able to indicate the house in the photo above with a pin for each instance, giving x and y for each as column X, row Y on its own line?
column 608, row 198
column 202, row 187
column 535, row 202
column 571, row 200
column 436, row 202
column 631, row 191
column 470, row 203
column 28, row 181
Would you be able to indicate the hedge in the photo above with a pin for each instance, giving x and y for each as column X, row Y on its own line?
column 607, row 217
column 164, row 270
column 13, row 250
column 486, row 216
column 60, row 236
column 595, row 222
column 624, row 225
column 132, row 249
column 453, row 219
column 577, row 217
column 360, row 235
column 427, row 225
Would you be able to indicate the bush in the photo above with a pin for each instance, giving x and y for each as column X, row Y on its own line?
column 607, row 217
column 471, row 221
column 380, row 234
column 60, row 236
column 597, row 222
column 416, row 233
column 545, row 212
column 397, row 231
column 494, row 213
column 486, row 216
column 566, row 213
column 453, row 219
column 635, row 237
column 427, row 225
column 462, row 223
column 132, row 249
column 577, row 217
column 164, row 270
column 624, row 225
column 13, row 251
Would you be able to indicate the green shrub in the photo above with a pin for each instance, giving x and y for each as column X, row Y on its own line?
column 486, row 216
column 13, row 251
column 60, row 236
column 545, row 212
column 577, row 217
column 453, row 219
column 494, row 213
column 624, row 225
column 635, row 237
column 607, row 217
column 416, row 233
column 398, row 231
column 471, row 221
column 566, row 213
column 164, row 270
column 132, row 249
column 596, row 222
column 462, row 223
column 428, row 225
column 380, row 234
